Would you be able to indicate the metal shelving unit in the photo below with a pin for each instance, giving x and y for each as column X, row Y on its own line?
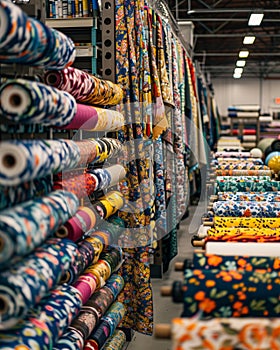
column 86, row 27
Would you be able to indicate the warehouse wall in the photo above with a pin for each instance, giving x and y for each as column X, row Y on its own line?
column 246, row 91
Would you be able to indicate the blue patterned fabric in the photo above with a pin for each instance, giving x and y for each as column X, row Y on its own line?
column 27, row 282
column 25, row 160
column 27, row 225
column 30, row 102
column 44, row 323
column 247, row 209
column 26, row 40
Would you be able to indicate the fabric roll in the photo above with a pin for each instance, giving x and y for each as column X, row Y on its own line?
column 241, row 166
column 109, row 176
column 116, row 341
column 219, row 293
column 113, row 256
column 28, row 41
column 233, row 161
column 99, row 336
column 242, row 178
column 243, row 235
column 46, row 322
column 88, row 151
column 104, row 235
column 85, row 184
column 230, row 154
column 29, row 280
column 106, row 148
column 114, row 316
column 81, row 186
column 95, row 308
column 107, row 325
column 241, row 248
column 12, row 195
column 90, row 249
column 95, row 119
column 115, row 284
column 246, row 222
column 70, row 340
column 27, row 225
column 247, row 186
column 86, row 88
column 31, row 102
column 86, row 285
column 244, row 173
column 250, row 197
column 85, row 118
column 238, row 333
column 238, row 262
column 77, row 225
column 109, row 204
column 101, row 270
column 247, row 209
column 25, row 160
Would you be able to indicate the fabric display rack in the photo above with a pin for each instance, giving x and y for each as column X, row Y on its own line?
column 59, row 252
column 231, row 286
column 95, row 174
column 245, row 115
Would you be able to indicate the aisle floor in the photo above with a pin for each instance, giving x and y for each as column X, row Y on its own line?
column 164, row 308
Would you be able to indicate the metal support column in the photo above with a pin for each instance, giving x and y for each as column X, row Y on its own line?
column 108, row 39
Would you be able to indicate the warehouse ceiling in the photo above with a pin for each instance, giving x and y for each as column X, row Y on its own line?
column 219, row 29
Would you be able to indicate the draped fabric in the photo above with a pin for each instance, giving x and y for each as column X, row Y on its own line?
column 129, row 39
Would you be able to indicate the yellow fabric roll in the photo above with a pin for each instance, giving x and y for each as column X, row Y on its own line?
column 246, row 222
column 244, row 234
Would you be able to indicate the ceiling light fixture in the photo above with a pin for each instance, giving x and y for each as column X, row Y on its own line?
column 255, row 19
column 236, row 76
column 238, row 71
column 240, row 63
column 249, row 39
column 243, row 53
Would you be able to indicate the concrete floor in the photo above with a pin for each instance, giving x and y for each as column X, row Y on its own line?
column 164, row 308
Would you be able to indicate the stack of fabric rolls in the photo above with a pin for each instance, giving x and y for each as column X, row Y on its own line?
column 231, row 288
column 59, row 261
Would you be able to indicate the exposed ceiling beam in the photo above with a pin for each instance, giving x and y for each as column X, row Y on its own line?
column 205, row 5
column 206, row 27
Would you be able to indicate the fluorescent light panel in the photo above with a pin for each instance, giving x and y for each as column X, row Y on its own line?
column 255, row 19
column 249, row 39
column 240, row 63
column 236, row 76
column 238, row 71
column 243, row 53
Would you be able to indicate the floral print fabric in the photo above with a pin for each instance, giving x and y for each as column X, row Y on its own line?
column 249, row 196
column 226, row 334
column 218, row 293
column 211, row 261
column 247, row 186
column 247, row 209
